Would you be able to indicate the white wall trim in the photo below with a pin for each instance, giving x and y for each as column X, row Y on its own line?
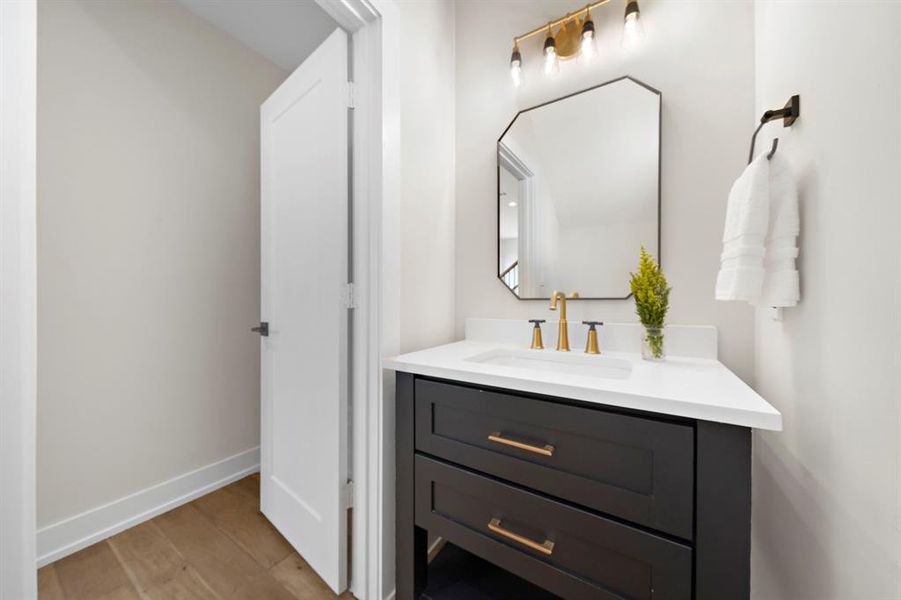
column 71, row 535
column 352, row 15
column 375, row 26
column 18, row 309
column 384, row 301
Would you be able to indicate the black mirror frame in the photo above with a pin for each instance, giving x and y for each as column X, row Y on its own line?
column 659, row 179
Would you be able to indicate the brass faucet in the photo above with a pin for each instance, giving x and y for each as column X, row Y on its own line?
column 563, row 334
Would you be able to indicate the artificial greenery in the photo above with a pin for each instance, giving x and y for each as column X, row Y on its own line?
column 651, row 293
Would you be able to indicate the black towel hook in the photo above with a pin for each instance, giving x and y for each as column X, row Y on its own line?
column 789, row 114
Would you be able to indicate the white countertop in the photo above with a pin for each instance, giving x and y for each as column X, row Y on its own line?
column 697, row 388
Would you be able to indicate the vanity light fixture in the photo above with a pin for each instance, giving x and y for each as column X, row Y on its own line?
column 574, row 35
column 516, row 66
column 551, row 63
column 633, row 30
column 588, row 44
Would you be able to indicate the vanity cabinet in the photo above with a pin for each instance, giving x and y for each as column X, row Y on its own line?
column 583, row 500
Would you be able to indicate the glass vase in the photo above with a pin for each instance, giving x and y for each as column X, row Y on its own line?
column 652, row 344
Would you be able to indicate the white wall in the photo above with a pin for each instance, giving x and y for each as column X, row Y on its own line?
column 148, row 248
column 700, row 55
column 427, row 181
column 827, row 501
column 427, row 192
column 426, row 207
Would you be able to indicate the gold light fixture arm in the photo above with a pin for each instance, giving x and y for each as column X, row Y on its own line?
column 544, row 28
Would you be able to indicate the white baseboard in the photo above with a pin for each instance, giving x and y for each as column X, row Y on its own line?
column 71, row 535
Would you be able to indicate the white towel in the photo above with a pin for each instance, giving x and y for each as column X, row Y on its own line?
column 781, row 285
column 747, row 216
column 760, row 236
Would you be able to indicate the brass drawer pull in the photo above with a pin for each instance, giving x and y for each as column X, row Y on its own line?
column 546, row 548
column 546, row 450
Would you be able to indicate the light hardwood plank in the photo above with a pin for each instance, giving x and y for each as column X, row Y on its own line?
column 228, row 569
column 186, row 585
column 121, row 593
column 237, row 514
column 219, row 547
column 250, row 487
column 94, row 574
column 301, row 580
column 49, row 587
column 155, row 567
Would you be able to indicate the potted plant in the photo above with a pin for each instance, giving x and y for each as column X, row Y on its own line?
column 651, row 292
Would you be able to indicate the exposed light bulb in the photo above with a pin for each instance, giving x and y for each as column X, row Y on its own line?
column 551, row 64
column 633, row 31
column 512, row 203
column 516, row 73
column 516, row 66
column 587, row 50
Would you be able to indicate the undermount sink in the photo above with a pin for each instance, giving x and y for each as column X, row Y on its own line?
column 556, row 362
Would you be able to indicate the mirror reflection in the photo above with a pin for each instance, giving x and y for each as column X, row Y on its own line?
column 578, row 192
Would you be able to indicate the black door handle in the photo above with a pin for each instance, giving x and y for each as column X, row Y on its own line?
column 263, row 329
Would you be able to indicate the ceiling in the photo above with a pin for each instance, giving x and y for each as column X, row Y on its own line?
column 284, row 31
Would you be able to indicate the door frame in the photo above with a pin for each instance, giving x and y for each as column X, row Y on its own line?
column 18, row 304
column 375, row 27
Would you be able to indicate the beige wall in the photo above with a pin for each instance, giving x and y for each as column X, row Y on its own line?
column 700, row 55
column 148, row 248
column 827, row 489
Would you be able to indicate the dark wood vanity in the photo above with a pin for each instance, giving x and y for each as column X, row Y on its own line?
column 582, row 500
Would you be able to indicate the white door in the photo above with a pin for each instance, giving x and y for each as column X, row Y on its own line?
column 304, row 221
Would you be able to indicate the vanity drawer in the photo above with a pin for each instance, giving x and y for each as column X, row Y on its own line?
column 636, row 468
column 568, row 551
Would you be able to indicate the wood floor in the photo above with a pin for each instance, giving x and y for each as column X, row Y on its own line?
column 218, row 547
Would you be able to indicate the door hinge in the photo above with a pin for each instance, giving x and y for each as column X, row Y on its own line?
column 347, row 494
column 349, row 296
column 350, row 95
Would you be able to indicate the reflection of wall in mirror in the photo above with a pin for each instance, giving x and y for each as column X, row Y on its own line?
column 596, row 259
column 509, row 219
column 594, row 189
column 533, row 221
column 508, row 229
column 547, row 241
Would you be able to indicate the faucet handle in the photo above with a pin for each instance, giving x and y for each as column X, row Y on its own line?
column 537, row 341
column 591, row 344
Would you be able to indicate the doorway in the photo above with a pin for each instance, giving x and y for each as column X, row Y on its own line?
column 369, row 21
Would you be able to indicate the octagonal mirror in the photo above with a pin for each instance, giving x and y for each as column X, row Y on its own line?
column 579, row 192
